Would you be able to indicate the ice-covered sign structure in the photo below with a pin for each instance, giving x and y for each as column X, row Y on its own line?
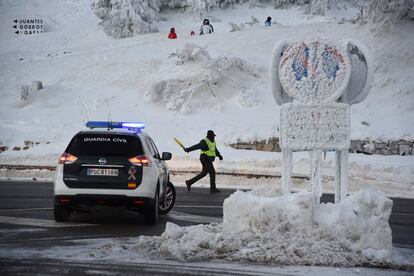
column 315, row 81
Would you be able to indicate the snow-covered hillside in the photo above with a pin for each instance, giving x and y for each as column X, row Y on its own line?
column 181, row 88
column 224, row 85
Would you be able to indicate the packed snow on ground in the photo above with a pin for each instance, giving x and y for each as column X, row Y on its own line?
column 120, row 252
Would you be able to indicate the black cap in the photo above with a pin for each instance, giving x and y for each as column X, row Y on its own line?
column 210, row 133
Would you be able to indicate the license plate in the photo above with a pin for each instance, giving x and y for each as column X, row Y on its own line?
column 102, row 172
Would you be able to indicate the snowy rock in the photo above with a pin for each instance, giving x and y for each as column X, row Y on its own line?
column 36, row 85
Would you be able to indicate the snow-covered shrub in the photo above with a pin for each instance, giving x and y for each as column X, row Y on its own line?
column 406, row 10
column 319, row 7
column 281, row 3
column 24, row 93
column 235, row 27
column 126, row 18
column 246, row 97
column 221, row 78
column 175, row 94
column 194, row 7
column 382, row 13
column 253, row 21
column 190, row 52
column 235, row 63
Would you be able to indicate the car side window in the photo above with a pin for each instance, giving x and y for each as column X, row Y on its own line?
column 149, row 147
column 153, row 151
column 155, row 148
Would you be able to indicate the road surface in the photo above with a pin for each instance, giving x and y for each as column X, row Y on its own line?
column 28, row 205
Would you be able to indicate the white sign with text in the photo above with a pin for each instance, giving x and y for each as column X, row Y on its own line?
column 28, row 26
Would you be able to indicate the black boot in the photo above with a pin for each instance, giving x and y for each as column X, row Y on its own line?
column 188, row 184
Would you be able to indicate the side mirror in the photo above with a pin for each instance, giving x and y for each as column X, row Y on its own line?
column 166, row 156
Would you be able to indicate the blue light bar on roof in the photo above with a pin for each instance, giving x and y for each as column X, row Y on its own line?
column 136, row 126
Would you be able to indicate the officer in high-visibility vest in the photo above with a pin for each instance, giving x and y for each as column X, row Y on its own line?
column 208, row 153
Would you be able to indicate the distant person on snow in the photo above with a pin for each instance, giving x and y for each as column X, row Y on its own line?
column 206, row 28
column 208, row 153
column 192, row 33
column 172, row 34
column 268, row 22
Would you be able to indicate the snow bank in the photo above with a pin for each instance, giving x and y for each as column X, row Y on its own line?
column 263, row 226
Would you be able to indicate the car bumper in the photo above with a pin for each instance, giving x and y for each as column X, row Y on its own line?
column 86, row 201
column 145, row 190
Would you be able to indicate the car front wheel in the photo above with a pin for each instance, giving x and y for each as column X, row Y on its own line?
column 169, row 199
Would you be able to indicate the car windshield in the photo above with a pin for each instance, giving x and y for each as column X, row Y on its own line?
column 91, row 144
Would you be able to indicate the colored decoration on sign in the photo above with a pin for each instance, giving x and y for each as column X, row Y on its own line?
column 314, row 71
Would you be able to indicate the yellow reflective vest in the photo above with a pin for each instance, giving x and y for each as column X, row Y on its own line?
column 211, row 148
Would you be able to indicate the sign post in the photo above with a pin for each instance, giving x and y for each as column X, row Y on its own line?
column 313, row 82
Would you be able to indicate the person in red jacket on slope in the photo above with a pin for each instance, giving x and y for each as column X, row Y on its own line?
column 172, row 34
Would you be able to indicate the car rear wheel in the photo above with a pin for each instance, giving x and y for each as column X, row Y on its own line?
column 169, row 199
column 61, row 213
column 151, row 212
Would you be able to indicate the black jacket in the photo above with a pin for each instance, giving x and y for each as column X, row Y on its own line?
column 203, row 146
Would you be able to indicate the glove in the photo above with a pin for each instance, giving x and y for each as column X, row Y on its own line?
column 186, row 150
column 220, row 157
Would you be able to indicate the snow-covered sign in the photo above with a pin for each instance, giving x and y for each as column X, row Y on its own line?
column 314, row 72
column 308, row 127
column 314, row 82
column 28, row 26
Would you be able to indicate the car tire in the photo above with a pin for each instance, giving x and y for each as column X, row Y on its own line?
column 169, row 199
column 61, row 213
column 151, row 212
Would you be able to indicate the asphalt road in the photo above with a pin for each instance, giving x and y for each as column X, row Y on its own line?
column 29, row 205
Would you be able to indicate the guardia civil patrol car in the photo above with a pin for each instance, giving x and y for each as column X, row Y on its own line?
column 113, row 164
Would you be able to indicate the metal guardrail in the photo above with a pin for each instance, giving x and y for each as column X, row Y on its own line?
column 174, row 172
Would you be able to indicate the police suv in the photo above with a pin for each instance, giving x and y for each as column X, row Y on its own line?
column 113, row 164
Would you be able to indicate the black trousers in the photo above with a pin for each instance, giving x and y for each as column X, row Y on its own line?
column 208, row 168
